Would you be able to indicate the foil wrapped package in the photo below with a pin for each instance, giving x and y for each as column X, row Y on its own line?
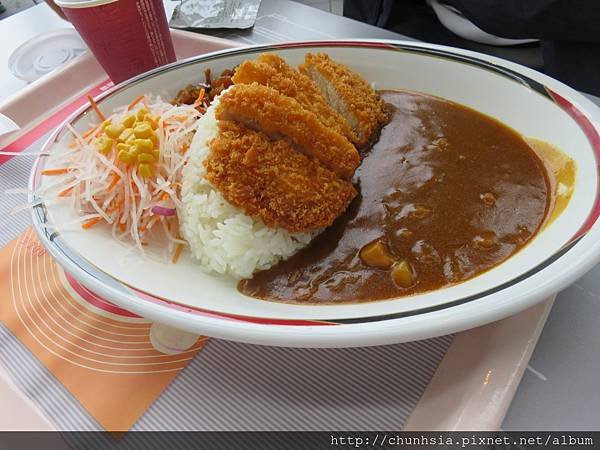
column 215, row 14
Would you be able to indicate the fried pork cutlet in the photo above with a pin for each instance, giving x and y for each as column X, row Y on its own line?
column 271, row 70
column 264, row 109
column 273, row 181
column 348, row 93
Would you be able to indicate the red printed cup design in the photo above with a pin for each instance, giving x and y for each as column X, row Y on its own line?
column 127, row 37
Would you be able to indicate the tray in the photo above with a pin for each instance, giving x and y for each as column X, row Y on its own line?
column 477, row 378
column 65, row 89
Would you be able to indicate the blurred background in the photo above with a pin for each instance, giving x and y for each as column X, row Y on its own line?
column 10, row 7
column 547, row 35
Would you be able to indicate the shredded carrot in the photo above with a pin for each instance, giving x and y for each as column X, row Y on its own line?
column 114, row 182
column 146, row 226
column 151, row 222
column 164, row 196
column 60, row 171
column 200, row 98
column 95, row 108
column 90, row 223
column 138, row 99
column 122, row 226
column 115, row 205
column 65, row 192
column 89, row 132
column 177, row 253
column 73, row 144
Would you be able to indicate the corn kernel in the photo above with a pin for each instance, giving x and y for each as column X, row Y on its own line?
column 145, row 158
column 128, row 121
column 154, row 139
column 156, row 154
column 134, row 150
column 125, row 134
column 142, row 130
column 376, row 254
column 103, row 144
column 486, row 240
column 106, row 123
column 141, row 113
column 488, row 198
column 122, row 147
column 402, row 274
column 145, row 145
column 125, row 157
column 145, row 170
column 153, row 121
column 114, row 131
column 420, row 212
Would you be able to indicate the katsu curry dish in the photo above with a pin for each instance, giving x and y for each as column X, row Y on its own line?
column 307, row 185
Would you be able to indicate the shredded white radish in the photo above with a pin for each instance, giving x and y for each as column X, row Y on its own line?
column 103, row 189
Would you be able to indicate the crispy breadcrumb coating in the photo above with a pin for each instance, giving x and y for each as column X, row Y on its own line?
column 263, row 108
column 348, row 93
column 273, row 181
column 271, row 70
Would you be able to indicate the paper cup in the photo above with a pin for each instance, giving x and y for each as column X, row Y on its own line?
column 128, row 37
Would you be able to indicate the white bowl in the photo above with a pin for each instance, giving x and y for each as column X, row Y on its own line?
column 185, row 297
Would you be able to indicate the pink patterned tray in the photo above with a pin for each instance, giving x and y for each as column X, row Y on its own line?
column 46, row 102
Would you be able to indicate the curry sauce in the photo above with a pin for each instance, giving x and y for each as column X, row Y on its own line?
column 445, row 194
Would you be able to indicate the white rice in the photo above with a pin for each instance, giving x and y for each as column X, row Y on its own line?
column 221, row 237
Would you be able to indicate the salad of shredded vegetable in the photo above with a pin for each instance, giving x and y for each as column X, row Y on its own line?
column 126, row 170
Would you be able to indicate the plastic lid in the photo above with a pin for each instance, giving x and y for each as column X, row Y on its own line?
column 82, row 3
column 44, row 53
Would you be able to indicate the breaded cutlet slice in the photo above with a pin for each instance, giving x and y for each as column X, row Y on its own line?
column 271, row 180
column 264, row 109
column 271, row 70
column 348, row 93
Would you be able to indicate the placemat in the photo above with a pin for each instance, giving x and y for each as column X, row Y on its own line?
column 100, row 353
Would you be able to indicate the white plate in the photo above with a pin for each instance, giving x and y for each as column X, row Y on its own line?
column 183, row 296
